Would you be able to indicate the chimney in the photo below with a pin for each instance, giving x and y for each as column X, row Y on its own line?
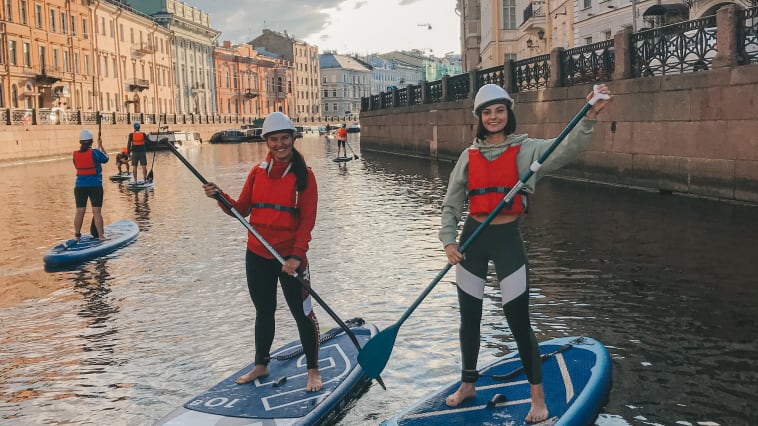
column 227, row 44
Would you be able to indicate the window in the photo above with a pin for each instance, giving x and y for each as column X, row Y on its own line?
column 42, row 56
column 64, row 23
column 115, row 68
column 121, row 31
column 326, row 93
column 588, row 40
column 73, row 25
column 112, row 27
column 27, row 55
column 56, row 59
column 85, row 31
column 608, row 35
column 52, row 20
column 66, row 61
column 587, row 4
column 86, row 64
column 38, row 15
column 22, row 11
column 509, row 15
column 102, row 25
column 8, row 11
column 12, row 52
column 76, row 62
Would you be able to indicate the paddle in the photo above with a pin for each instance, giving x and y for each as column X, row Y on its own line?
column 375, row 354
column 92, row 227
column 271, row 250
column 351, row 150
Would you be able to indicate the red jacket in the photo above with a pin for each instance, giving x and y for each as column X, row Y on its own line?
column 289, row 234
column 84, row 161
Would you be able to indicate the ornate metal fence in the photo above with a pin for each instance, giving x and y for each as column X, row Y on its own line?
column 588, row 64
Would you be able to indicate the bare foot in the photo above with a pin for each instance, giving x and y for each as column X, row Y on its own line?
column 257, row 372
column 466, row 391
column 314, row 380
column 538, row 411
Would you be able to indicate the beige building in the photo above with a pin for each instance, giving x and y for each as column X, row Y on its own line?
column 305, row 105
column 46, row 55
column 249, row 83
column 132, row 61
column 192, row 47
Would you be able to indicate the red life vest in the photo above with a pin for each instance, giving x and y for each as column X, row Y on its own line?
column 489, row 181
column 85, row 163
column 274, row 201
column 138, row 139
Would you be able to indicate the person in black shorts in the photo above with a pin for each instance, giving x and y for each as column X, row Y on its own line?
column 89, row 183
column 122, row 160
column 138, row 150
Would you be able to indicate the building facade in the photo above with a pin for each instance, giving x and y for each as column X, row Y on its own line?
column 192, row 49
column 344, row 81
column 251, row 83
column 305, row 105
column 46, row 55
column 390, row 73
column 132, row 61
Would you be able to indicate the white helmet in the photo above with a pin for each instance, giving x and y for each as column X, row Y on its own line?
column 276, row 122
column 490, row 94
column 86, row 135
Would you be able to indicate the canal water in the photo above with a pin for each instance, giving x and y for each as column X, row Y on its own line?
column 667, row 283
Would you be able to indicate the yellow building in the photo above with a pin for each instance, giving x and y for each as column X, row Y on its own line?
column 46, row 54
column 132, row 61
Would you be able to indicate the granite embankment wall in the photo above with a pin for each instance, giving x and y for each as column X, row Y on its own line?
column 693, row 133
column 19, row 143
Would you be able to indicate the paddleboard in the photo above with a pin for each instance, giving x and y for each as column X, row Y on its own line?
column 342, row 159
column 120, row 177
column 280, row 398
column 70, row 252
column 576, row 374
column 140, row 185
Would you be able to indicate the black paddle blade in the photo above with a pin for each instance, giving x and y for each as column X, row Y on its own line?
column 150, row 176
column 376, row 352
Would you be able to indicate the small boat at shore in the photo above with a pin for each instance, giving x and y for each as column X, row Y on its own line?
column 179, row 139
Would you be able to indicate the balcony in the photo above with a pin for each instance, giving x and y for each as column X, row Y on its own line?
column 137, row 84
column 144, row 48
column 48, row 76
column 534, row 15
column 198, row 87
column 250, row 93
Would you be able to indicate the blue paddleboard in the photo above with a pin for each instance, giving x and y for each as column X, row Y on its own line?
column 69, row 252
column 118, row 177
column 576, row 374
column 280, row 398
column 140, row 185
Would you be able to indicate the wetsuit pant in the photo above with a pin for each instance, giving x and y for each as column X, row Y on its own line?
column 262, row 276
column 503, row 245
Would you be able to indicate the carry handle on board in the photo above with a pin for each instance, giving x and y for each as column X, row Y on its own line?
column 271, row 250
column 376, row 352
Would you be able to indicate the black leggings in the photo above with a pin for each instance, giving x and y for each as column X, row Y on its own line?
column 502, row 244
column 262, row 275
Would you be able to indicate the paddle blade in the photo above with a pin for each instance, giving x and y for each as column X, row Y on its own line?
column 376, row 352
column 150, row 176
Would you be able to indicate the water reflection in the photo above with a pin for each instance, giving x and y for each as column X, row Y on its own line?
column 667, row 283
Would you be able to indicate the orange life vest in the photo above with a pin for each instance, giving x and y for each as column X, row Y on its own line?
column 138, row 139
column 489, row 181
column 274, row 201
column 342, row 133
column 85, row 163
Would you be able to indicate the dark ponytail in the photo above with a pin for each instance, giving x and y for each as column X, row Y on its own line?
column 300, row 169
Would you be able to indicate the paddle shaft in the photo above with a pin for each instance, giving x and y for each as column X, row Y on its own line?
column 351, row 150
column 271, row 250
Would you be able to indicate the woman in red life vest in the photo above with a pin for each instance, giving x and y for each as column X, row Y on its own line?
column 484, row 173
column 280, row 195
column 89, row 182
column 138, row 150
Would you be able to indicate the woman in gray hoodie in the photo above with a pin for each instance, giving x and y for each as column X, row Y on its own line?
column 484, row 173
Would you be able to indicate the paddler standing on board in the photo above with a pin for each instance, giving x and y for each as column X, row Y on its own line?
column 281, row 197
column 138, row 150
column 89, row 183
column 485, row 173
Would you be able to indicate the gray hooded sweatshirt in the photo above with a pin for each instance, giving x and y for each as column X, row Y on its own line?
column 531, row 150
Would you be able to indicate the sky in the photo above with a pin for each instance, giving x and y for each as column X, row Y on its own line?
column 345, row 26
